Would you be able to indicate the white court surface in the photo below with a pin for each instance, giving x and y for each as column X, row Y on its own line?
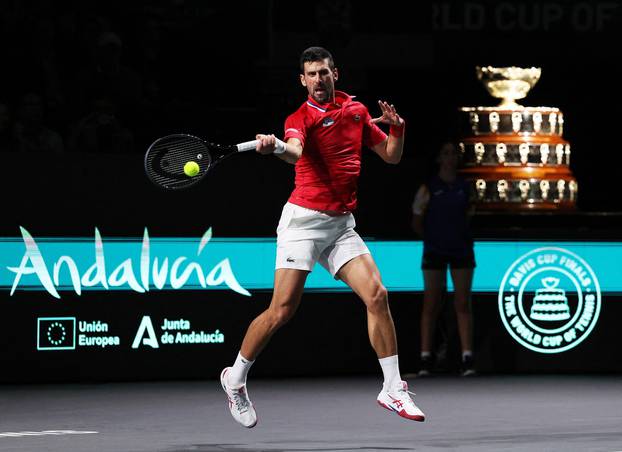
column 491, row 413
column 43, row 433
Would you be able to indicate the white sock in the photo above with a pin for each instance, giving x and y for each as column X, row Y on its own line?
column 467, row 354
column 391, row 371
column 425, row 355
column 239, row 371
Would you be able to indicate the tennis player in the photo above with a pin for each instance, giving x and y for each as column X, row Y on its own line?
column 324, row 139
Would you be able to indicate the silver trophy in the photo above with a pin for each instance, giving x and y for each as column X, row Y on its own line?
column 508, row 83
column 513, row 155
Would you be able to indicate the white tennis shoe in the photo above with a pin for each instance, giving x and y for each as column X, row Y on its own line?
column 240, row 405
column 398, row 399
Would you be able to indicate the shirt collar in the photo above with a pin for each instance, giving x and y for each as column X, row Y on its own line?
column 341, row 99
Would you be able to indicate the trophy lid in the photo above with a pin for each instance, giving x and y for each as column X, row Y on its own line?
column 508, row 83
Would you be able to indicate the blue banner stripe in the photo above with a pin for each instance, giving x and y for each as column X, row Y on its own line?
column 251, row 262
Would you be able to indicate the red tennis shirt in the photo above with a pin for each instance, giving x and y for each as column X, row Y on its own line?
column 332, row 136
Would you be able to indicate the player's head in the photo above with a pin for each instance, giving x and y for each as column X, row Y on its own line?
column 448, row 155
column 318, row 73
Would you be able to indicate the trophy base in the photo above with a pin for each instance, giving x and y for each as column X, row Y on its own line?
column 522, row 188
column 497, row 206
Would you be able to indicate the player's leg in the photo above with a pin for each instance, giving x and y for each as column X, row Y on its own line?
column 434, row 286
column 362, row 275
column 288, row 287
column 297, row 252
column 462, row 279
column 296, row 255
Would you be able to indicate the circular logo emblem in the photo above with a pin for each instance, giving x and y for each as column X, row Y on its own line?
column 549, row 300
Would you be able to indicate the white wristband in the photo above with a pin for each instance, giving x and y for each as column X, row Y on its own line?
column 280, row 147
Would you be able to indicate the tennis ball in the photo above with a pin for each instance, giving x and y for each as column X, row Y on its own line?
column 191, row 168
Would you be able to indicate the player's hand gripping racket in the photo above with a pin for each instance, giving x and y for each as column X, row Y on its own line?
column 180, row 161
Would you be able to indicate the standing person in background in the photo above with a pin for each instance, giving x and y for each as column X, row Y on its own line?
column 441, row 214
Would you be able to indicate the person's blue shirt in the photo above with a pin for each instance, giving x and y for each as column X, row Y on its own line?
column 446, row 225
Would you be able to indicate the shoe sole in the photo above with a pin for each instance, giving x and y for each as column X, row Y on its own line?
column 222, row 383
column 402, row 413
column 222, row 378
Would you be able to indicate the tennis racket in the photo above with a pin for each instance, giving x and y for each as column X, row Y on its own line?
column 167, row 157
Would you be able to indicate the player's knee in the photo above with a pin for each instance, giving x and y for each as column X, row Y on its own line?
column 378, row 300
column 282, row 314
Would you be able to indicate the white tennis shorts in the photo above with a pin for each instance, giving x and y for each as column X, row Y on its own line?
column 306, row 236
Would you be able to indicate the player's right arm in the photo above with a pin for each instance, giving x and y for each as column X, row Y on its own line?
column 296, row 126
column 293, row 147
column 422, row 198
column 293, row 151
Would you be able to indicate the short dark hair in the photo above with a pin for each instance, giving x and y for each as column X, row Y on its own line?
column 315, row 54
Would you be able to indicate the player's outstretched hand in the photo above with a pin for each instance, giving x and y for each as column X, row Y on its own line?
column 389, row 115
column 267, row 143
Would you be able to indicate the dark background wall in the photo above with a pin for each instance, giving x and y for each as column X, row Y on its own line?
column 85, row 86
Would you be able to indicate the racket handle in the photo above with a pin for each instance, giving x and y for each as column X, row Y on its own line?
column 252, row 145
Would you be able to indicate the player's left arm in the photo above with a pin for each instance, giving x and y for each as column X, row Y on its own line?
column 390, row 150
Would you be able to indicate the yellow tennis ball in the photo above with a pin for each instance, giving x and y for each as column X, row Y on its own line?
column 191, row 168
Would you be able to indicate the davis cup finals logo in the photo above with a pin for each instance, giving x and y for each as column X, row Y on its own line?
column 549, row 300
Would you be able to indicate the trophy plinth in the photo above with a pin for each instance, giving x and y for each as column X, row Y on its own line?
column 515, row 157
column 508, row 83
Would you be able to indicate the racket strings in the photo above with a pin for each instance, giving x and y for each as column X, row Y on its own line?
column 166, row 159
